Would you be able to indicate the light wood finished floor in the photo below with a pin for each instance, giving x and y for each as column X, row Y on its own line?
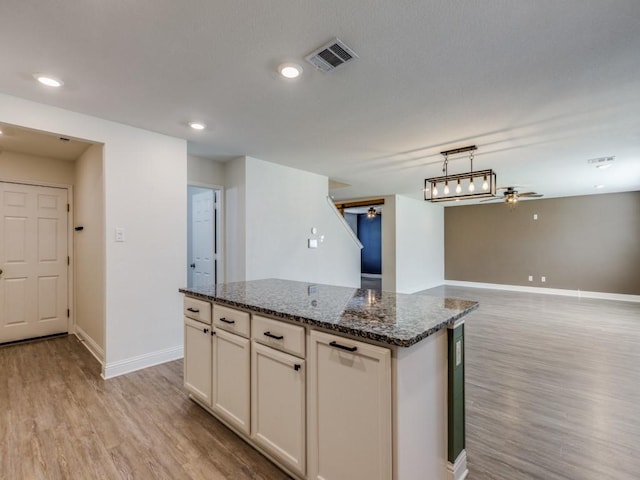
column 60, row 420
column 552, row 387
column 553, row 392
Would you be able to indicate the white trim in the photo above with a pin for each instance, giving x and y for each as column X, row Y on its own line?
column 458, row 470
column 90, row 344
column 354, row 237
column 71, row 267
column 115, row 369
column 204, row 185
column 547, row 291
column 456, row 324
column 36, row 183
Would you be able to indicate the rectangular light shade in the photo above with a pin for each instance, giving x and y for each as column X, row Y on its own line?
column 434, row 188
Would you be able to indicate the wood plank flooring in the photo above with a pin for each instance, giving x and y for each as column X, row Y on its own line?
column 553, row 393
column 60, row 420
column 552, row 387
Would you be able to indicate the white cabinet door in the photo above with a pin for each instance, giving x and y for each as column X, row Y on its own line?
column 197, row 359
column 231, row 370
column 349, row 409
column 278, row 405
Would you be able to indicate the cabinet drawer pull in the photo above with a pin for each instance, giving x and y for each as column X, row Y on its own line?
column 212, row 333
column 230, row 322
column 297, row 367
column 271, row 335
column 343, row 347
column 193, row 310
column 205, row 330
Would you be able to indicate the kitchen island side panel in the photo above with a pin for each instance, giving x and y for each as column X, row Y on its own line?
column 420, row 409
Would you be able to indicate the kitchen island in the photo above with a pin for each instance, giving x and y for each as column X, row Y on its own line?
column 333, row 382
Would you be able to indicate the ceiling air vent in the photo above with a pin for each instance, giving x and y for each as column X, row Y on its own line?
column 331, row 56
column 601, row 161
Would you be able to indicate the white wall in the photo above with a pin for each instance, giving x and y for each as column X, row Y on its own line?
column 389, row 244
column 282, row 205
column 89, row 246
column 419, row 237
column 235, row 220
column 31, row 168
column 145, row 177
column 352, row 221
column 270, row 210
column 206, row 171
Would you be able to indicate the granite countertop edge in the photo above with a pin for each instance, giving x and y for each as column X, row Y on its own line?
column 378, row 337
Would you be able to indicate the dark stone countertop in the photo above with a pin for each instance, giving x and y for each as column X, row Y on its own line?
column 391, row 318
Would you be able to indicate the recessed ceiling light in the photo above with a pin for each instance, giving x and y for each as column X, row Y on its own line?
column 290, row 70
column 48, row 80
column 197, row 125
column 598, row 186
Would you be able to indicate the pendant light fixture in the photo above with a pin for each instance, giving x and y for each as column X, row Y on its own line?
column 465, row 187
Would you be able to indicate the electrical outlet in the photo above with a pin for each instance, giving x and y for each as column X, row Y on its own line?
column 531, row 278
column 535, row 216
column 543, row 279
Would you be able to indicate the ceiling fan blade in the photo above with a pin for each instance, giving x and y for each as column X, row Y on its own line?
column 531, row 195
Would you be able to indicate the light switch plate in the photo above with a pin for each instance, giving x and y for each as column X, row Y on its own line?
column 313, row 243
column 119, row 234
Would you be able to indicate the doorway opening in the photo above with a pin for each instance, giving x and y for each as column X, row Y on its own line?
column 203, row 236
column 365, row 219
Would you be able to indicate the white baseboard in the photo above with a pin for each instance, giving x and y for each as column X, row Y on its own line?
column 132, row 364
column 90, row 344
column 458, row 470
column 371, row 275
column 547, row 291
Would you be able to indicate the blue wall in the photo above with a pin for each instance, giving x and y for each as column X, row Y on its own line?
column 370, row 234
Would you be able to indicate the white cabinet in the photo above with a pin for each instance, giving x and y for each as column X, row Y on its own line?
column 231, row 370
column 324, row 417
column 197, row 359
column 349, row 409
column 278, row 413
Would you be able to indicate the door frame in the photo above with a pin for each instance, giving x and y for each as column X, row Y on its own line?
column 219, row 227
column 71, row 323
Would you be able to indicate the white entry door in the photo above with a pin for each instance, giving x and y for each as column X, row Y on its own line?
column 33, row 260
column 203, row 238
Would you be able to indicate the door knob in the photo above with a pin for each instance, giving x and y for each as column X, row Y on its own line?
column 193, row 265
column 0, row 271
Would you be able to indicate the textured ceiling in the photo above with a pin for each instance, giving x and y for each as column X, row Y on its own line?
column 539, row 87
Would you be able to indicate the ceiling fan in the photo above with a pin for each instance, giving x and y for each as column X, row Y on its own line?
column 511, row 196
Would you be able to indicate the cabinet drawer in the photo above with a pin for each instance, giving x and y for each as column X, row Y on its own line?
column 280, row 335
column 197, row 309
column 232, row 320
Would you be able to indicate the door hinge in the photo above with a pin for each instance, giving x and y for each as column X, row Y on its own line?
column 68, row 260
column 68, row 313
column 67, row 207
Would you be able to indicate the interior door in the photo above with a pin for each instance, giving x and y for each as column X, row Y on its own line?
column 202, row 248
column 33, row 260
